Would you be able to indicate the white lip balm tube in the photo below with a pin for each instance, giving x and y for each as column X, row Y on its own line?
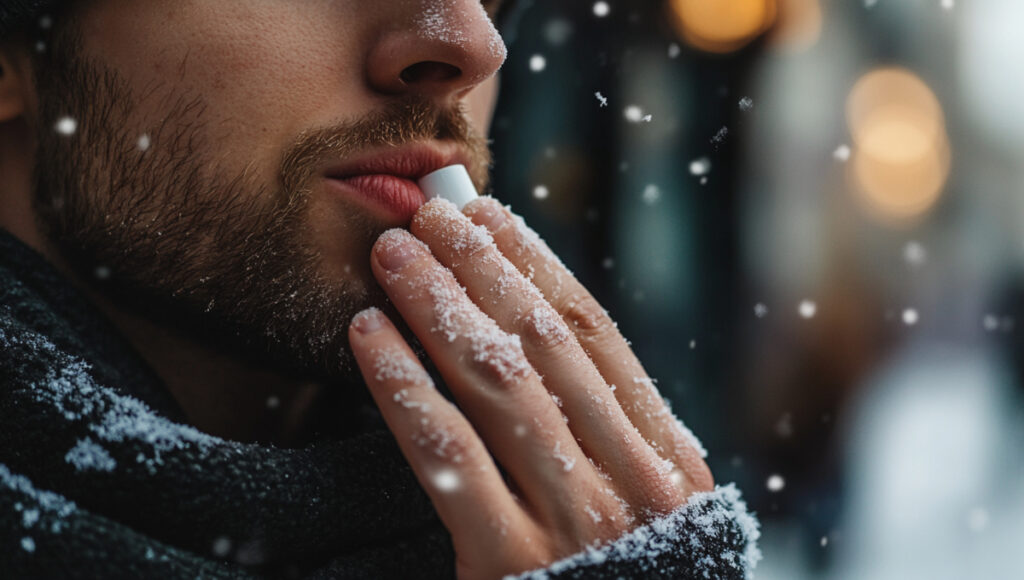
column 452, row 183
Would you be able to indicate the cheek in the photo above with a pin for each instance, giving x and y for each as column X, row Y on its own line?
column 480, row 103
column 264, row 76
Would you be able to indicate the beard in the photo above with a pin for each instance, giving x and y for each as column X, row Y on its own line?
column 145, row 215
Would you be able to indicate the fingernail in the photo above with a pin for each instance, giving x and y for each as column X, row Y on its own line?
column 395, row 250
column 489, row 214
column 369, row 320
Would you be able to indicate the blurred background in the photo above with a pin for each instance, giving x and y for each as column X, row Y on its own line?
column 808, row 217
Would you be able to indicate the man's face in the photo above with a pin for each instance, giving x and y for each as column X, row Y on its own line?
column 232, row 162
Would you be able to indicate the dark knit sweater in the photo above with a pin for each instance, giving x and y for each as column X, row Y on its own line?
column 100, row 477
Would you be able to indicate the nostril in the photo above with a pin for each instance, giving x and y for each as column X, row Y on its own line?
column 429, row 71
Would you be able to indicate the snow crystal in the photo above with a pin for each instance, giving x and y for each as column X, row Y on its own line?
column 910, row 317
column 601, row 9
column 538, row 63
column 700, row 166
column 394, row 364
column 447, row 480
column 88, row 455
column 45, row 500
column 66, row 126
column 720, row 136
column 567, row 462
column 635, row 114
column 456, row 316
column 440, row 21
column 601, row 99
column 842, row 153
column 110, row 416
column 651, row 194
column 808, row 309
column 775, row 483
column 746, row 104
column 28, row 544
column 541, row 192
column 760, row 310
column 547, row 323
column 710, row 512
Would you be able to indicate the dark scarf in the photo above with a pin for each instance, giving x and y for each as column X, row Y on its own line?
column 101, row 478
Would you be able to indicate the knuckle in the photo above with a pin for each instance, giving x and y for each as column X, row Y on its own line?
column 658, row 491
column 543, row 327
column 445, row 440
column 500, row 360
column 587, row 317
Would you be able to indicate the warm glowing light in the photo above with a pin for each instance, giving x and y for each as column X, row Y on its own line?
column 798, row 25
column 901, row 154
column 721, row 25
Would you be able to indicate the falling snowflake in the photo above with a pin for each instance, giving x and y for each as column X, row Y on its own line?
column 808, row 309
column 651, row 194
column 760, row 310
column 538, row 63
column 447, row 480
column 948, row 4
column 602, row 9
column 910, row 317
column 143, row 143
column 700, row 166
column 746, row 104
column 775, row 483
column 914, row 253
column 601, row 99
column 720, row 136
column 66, row 126
column 674, row 50
column 990, row 322
column 541, row 192
column 842, row 153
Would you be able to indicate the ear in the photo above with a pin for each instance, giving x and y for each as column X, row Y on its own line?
column 15, row 82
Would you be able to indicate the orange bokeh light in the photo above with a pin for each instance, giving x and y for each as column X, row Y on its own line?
column 721, row 25
column 901, row 154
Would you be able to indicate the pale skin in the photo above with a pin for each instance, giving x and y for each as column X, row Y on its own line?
column 606, row 459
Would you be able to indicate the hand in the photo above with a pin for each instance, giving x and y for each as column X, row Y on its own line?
column 546, row 384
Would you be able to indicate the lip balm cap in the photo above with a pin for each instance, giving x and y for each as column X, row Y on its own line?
column 452, row 183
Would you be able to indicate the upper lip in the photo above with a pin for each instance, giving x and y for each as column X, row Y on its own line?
column 412, row 161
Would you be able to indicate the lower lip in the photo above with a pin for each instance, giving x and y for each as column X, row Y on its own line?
column 397, row 197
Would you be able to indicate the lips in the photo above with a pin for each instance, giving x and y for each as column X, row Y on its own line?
column 386, row 182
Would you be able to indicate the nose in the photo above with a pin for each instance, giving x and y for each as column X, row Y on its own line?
column 438, row 49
